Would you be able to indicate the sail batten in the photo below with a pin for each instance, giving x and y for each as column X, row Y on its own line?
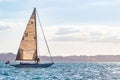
column 28, row 46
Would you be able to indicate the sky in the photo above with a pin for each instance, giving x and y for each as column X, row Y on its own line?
column 72, row 27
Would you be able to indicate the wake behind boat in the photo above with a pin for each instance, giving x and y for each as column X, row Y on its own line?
column 28, row 47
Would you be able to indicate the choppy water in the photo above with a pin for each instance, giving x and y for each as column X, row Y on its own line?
column 63, row 71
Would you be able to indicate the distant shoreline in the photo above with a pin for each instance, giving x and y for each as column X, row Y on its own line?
column 97, row 58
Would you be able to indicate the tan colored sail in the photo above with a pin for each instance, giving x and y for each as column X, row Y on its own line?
column 28, row 45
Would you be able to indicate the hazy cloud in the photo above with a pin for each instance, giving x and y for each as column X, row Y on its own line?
column 111, row 39
column 7, row 0
column 104, row 3
column 88, row 33
column 65, row 31
column 68, row 38
column 4, row 28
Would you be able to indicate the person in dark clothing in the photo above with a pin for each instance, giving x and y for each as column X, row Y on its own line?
column 38, row 60
column 7, row 62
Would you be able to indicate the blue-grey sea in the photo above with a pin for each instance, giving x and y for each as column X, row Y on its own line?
column 63, row 71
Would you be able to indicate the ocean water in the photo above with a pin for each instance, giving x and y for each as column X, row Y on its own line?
column 63, row 71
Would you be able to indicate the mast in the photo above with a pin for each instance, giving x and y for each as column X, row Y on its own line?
column 36, row 34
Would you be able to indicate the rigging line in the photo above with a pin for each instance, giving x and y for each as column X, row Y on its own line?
column 44, row 38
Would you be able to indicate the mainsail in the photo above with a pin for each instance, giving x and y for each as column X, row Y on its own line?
column 28, row 46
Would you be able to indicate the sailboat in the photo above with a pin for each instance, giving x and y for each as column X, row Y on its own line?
column 28, row 50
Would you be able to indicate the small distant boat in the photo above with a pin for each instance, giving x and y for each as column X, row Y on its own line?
column 27, row 53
